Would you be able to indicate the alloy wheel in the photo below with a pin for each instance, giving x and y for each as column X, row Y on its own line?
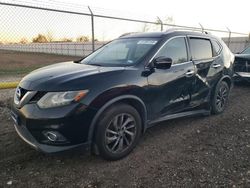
column 120, row 133
column 221, row 97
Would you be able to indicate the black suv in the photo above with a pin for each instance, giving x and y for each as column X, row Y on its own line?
column 242, row 65
column 107, row 100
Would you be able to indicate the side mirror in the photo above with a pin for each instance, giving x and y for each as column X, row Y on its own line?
column 163, row 62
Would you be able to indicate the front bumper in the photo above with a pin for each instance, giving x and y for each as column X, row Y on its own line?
column 29, row 139
column 241, row 76
column 71, row 122
column 242, row 69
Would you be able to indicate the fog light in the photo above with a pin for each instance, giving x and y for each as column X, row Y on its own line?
column 54, row 136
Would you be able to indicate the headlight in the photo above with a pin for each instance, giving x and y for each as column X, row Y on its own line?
column 56, row 99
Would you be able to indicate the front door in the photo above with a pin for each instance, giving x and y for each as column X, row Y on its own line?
column 170, row 89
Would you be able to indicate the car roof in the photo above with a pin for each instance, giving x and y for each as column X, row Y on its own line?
column 165, row 33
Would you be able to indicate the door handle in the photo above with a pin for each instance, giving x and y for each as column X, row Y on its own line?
column 216, row 65
column 190, row 73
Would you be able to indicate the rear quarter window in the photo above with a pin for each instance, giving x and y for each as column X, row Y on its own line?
column 217, row 47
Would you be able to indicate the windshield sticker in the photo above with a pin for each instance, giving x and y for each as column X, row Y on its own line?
column 151, row 42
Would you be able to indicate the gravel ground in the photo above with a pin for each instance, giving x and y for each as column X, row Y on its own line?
column 6, row 94
column 212, row 151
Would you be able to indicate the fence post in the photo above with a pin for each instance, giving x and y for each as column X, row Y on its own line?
column 202, row 28
column 229, row 37
column 92, row 29
column 160, row 22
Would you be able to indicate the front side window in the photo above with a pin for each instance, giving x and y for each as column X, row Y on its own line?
column 201, row 48
column 175, row 49
column 121, row 52
column 246, row 51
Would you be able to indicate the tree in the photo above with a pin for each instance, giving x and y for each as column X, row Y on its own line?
column 50, row 37
column 169, row 20
column 24, row 41
column 40, row 39
column 82, row 39
column 66, row 40
column 157, row 26
column 145, row 27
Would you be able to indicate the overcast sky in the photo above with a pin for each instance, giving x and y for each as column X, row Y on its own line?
column 18, row 23
column 234, row 14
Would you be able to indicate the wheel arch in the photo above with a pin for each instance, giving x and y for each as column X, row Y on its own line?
column 132, row 100
column 224, row 78
column 228, row 80
column 214, row 107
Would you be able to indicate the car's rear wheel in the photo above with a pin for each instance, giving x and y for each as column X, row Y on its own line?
column 118, row 131
column 220, row 97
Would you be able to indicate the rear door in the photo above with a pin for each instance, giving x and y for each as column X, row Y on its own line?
column 208, row 66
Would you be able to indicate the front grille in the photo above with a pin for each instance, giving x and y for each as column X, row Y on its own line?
column 23, row 92
column 242, row 65
column 23, row 96
column 38, row 96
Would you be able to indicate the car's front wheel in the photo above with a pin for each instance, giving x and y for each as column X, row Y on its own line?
column 220, row 97
column 118, row 131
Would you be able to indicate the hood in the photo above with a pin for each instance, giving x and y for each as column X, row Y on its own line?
column 65, row 76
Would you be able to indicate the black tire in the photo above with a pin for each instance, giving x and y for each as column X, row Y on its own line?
column 118, row 131
column 220, row 98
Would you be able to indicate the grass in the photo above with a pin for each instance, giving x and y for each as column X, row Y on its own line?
column 19, row 70
column 19, row 63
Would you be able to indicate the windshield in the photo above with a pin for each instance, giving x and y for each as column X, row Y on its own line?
column 121, row 52
column 246, row 51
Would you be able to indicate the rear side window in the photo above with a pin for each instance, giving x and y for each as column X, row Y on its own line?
column 201, row 48
column 175, row 49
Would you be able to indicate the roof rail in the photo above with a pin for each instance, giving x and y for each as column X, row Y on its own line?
column 130, row 33
column 187, row 29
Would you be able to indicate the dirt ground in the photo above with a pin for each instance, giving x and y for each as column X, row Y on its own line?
column 19, row 63
column 212, row 151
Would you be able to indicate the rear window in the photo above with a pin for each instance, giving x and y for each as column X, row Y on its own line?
column 201, row 48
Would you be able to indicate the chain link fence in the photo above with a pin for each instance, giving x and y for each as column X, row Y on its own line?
column 36, row 34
